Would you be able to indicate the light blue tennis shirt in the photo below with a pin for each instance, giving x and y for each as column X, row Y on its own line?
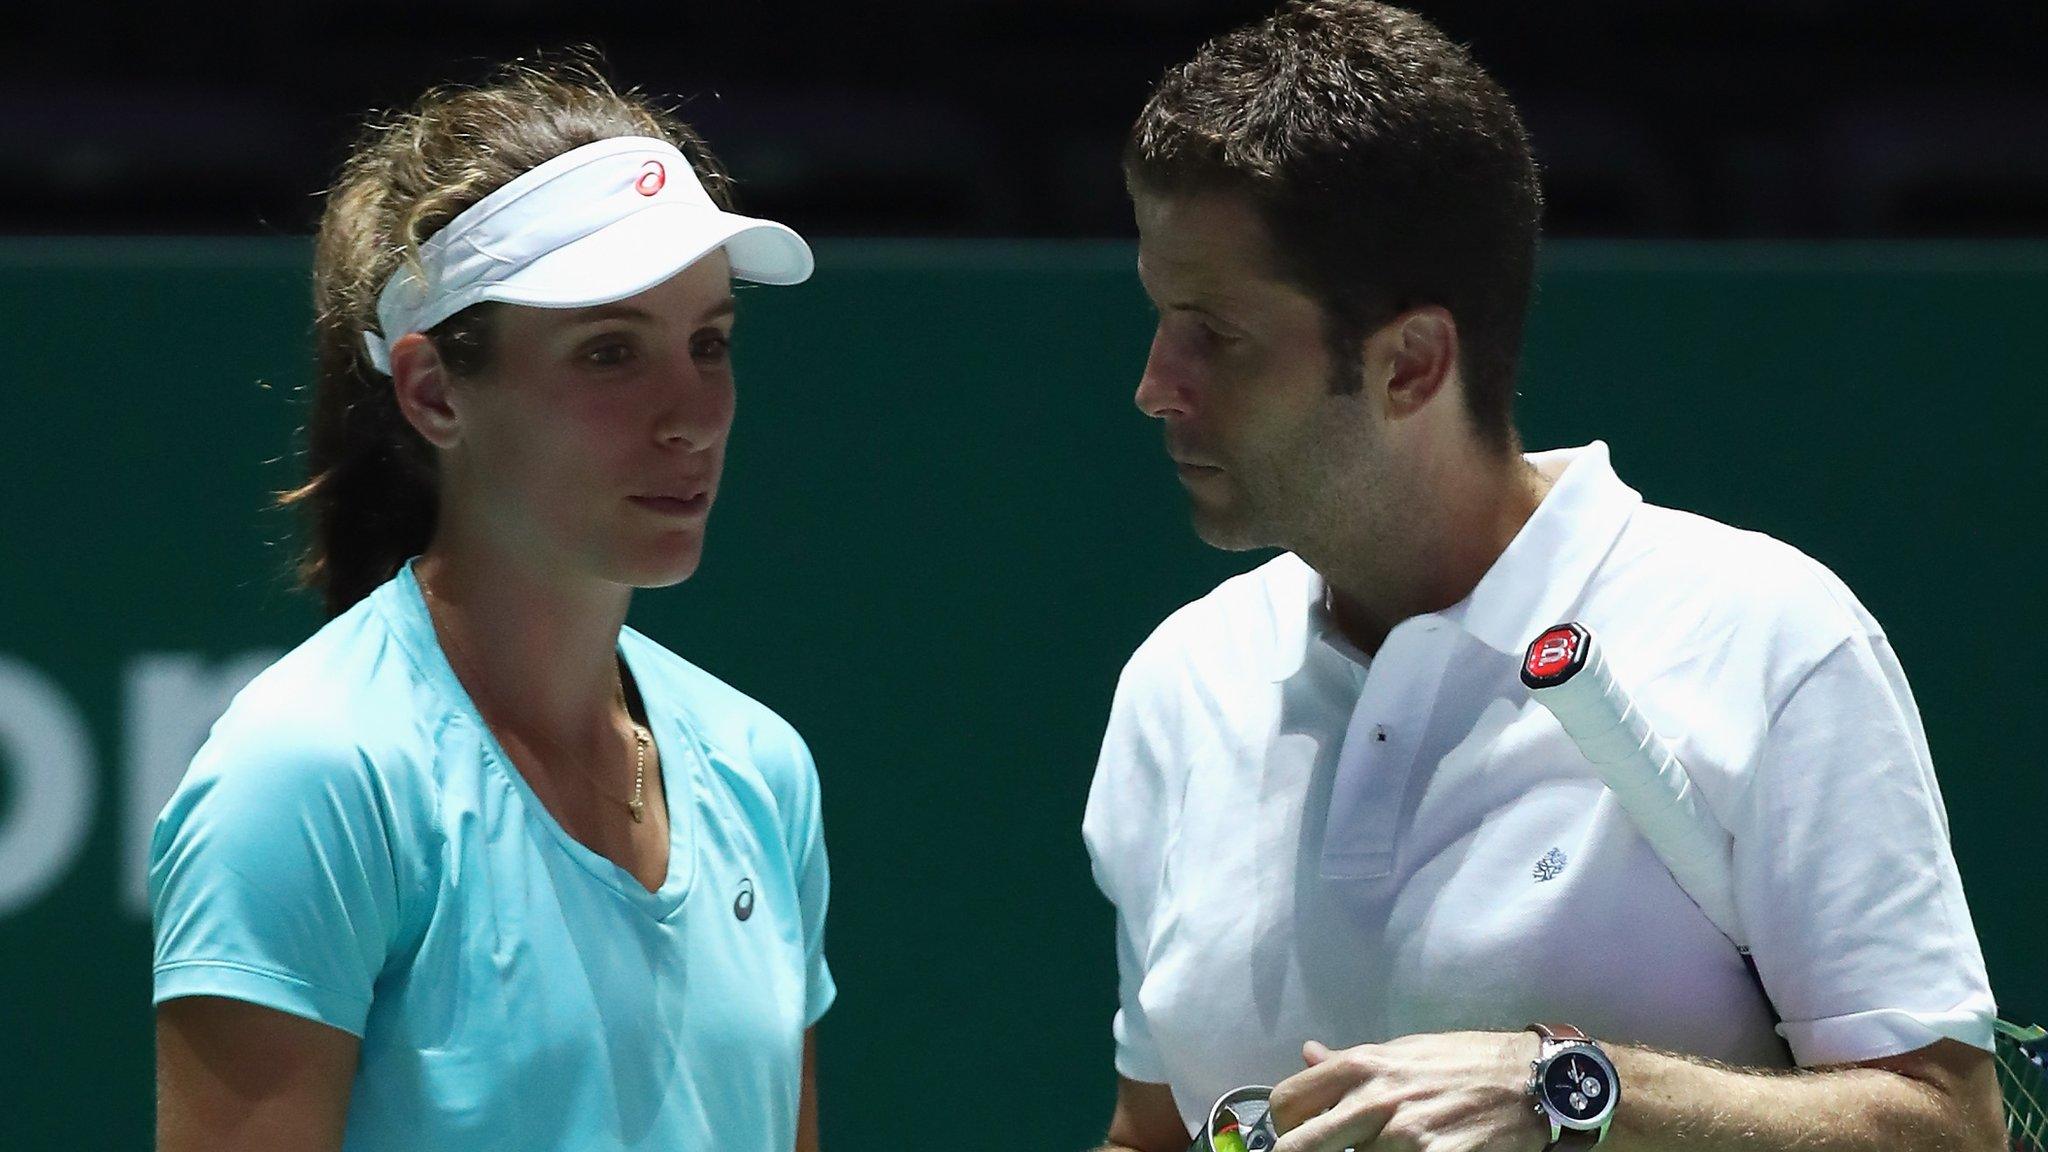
column 353, row 847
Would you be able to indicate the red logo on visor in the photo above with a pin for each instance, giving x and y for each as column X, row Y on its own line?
column 652, row 177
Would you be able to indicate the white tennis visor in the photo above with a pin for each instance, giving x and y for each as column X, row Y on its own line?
column 596, row 224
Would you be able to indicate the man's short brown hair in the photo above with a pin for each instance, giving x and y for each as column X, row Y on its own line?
column 1390, row 170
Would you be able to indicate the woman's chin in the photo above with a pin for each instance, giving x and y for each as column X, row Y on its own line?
column 660, row 567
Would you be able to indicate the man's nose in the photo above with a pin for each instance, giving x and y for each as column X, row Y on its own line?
column 1162, row 390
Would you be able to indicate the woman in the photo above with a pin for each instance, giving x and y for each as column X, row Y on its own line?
column 476, row 865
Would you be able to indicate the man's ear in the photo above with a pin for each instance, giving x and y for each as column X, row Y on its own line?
column 420, row 381
column 1411, row 358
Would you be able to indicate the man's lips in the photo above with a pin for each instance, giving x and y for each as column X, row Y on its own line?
column 1184, row 454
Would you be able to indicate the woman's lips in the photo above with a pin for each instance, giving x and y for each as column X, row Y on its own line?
column 678, row 506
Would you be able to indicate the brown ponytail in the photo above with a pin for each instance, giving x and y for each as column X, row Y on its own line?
column 371, row 493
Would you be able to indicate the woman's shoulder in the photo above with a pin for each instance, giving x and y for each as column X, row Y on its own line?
column 721, row 713
column 347, row 702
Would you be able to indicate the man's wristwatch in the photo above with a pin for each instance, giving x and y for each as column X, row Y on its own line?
column 1574, row 1086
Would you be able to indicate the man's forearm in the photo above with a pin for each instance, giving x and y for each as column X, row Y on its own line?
column 1468, row 1089
column 1944, row 1097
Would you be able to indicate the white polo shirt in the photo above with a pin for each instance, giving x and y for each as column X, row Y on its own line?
column 1303, row 843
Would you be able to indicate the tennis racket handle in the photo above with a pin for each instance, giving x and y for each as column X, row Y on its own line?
column 1567, row 673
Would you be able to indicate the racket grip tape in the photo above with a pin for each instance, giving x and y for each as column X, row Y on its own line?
column 1566, row 671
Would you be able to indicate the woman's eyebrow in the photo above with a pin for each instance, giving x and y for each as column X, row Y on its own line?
column 609, row 312
column 623, row 311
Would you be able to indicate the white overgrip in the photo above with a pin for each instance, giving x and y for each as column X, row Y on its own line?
column 1651, row 785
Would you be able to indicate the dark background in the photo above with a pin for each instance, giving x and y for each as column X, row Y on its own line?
column 1793, row 283
column 943, row 529
column 1681, row 118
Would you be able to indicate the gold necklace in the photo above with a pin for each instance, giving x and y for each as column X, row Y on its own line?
column 635, row 807
column 638, row 804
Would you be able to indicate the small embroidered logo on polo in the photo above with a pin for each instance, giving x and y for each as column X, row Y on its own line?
column 743, row 904
column 1551, row 866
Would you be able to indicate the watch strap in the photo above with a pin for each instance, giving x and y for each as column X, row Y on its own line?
column 1560, row 1033
column 1573, row 1139
column 1576, row 1138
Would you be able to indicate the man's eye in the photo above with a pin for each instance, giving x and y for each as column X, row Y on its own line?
column 1206, row 336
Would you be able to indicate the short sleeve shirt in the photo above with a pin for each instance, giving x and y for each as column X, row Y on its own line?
column 1305, row 843
column 352, row 846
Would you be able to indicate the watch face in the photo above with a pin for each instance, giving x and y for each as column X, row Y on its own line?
column 1578, row 1087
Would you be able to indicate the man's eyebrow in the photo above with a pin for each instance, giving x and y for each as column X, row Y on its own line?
column 1198, row 307
column 1203, row 302
column 721, row 310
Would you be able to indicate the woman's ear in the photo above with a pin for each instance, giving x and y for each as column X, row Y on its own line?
column 419, row 379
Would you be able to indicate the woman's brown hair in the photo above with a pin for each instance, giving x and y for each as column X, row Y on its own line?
column 371, row 493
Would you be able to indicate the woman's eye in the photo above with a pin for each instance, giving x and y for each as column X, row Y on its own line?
column 712, row 347
column 608, row 353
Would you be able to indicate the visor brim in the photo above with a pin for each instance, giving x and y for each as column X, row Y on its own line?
column 649, row 248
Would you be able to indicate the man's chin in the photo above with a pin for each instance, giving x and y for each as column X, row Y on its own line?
column 1220, row 529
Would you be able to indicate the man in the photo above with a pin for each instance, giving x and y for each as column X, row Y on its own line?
column 1348, row 854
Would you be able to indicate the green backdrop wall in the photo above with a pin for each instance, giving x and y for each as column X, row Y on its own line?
column 943, row 530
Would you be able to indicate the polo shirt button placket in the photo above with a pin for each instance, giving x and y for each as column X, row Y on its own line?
column 1378, row 756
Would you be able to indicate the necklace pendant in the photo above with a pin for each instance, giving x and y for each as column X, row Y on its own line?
column 638, row 808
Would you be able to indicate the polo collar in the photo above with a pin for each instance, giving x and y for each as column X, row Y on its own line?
column 1546, row 568
column 1300, row 617
column 1531, row 586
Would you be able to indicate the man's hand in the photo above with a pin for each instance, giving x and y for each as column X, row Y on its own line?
column 1459, row 1091
column 1447, row 1092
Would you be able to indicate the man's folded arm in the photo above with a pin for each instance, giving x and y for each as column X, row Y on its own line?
column 1146, row 1119
column 1943, row 1096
